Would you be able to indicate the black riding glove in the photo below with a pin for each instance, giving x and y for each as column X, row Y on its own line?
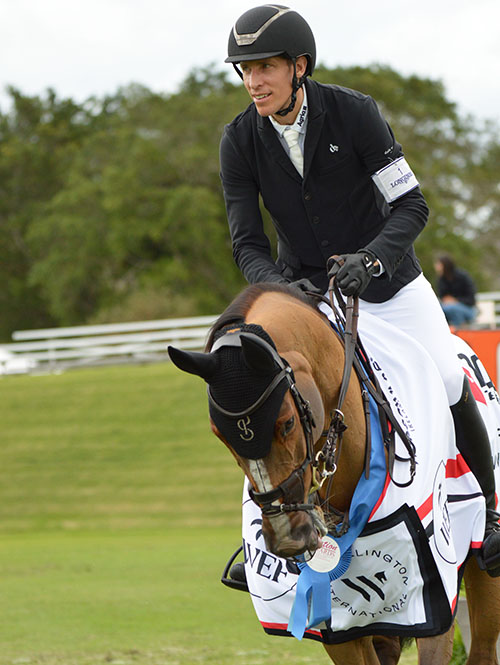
column 353, row 272
column 305, row 284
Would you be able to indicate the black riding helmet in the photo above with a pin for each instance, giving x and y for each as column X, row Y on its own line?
column 272, row 30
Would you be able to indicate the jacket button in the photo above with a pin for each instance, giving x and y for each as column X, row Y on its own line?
column 324, row 243
column 308, row 196
column 315, row 219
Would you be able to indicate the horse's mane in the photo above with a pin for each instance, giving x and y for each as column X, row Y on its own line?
column 236, row 312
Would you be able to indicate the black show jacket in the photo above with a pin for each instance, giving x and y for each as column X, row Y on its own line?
column 334, row 209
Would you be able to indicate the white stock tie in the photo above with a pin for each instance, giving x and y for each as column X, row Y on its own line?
column 291, row 136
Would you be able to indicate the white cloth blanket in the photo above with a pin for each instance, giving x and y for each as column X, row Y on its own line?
column 406, row 565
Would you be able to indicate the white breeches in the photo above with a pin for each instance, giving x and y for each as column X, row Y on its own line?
column 415, row 309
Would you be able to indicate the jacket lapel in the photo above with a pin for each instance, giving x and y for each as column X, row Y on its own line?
column 314, row 124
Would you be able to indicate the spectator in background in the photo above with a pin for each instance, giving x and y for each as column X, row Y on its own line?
column 456, row 292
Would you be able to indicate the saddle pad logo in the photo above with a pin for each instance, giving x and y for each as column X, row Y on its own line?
column 441, row 517
column 382, row 577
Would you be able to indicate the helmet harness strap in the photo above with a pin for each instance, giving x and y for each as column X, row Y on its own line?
column 295, row 86
column 238, row 70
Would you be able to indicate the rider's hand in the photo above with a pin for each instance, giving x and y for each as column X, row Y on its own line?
column 353, row 272
column 304, row 285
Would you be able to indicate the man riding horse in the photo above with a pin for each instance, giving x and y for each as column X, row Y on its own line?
column 335, row 182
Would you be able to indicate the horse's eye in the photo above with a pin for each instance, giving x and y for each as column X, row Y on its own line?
column 288, row 426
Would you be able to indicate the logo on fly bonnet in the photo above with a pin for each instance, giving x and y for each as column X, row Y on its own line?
column 242, row 424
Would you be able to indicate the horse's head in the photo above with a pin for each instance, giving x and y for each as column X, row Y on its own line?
column 269, row 413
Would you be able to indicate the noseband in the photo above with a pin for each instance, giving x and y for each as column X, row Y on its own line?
column 291, row 490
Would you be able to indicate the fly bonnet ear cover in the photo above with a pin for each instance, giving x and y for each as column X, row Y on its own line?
column 248, row 369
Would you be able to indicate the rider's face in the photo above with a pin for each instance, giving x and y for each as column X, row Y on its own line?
column 269, row 84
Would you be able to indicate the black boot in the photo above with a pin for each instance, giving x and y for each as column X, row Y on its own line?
column 474, row 444
column 234, row 573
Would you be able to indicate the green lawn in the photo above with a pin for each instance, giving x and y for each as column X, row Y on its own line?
column 118, row 510
column 119, row 448
column 134, row 597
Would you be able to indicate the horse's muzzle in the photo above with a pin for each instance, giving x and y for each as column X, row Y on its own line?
column 291, row 534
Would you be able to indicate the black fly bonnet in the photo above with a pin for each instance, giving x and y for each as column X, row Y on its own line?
column 245, row 395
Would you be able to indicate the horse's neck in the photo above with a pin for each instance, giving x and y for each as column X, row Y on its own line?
column 327, row 362
column 295, row 327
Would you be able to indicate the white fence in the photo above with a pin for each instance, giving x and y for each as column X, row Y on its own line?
column 488, row 305
column 54, row 349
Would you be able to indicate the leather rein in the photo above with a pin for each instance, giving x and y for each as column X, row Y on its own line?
column 355, row 358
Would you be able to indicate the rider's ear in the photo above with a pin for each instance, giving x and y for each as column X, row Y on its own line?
column 256, row 356
column 201, row 364
column 301, row 66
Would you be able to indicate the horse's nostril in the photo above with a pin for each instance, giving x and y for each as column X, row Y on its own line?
column 309, row 535
column 302, row 538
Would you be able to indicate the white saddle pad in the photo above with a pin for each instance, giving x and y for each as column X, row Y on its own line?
column 406, row 565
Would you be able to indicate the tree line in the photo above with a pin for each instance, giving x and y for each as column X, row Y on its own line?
column 112, row 209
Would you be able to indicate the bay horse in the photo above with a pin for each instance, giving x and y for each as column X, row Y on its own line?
column 276, row 449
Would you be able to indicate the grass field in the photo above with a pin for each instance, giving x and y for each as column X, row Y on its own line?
column 118, row 511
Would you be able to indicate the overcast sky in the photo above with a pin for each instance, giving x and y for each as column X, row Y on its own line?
column 91, row 47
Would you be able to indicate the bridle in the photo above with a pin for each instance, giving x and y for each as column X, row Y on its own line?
column 292, row 487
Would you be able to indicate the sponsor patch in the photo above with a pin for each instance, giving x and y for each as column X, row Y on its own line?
column 395, row 180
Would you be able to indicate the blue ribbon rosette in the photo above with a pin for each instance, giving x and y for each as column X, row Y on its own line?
column 312, row 603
